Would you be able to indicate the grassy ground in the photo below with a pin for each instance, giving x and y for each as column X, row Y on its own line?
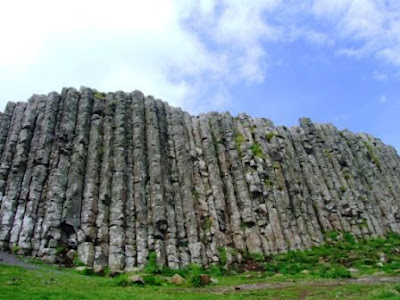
column 341, row 253
column 19, row 283
column 319, row 273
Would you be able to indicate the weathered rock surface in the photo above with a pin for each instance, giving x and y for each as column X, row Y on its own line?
column 113, row 177
column 177, row 279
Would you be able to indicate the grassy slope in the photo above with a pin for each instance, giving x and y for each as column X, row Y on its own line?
column 333, row 259
column 328, row 261
column 18, row 283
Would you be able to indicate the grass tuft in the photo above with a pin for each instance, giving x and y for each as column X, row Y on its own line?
column 257, row 151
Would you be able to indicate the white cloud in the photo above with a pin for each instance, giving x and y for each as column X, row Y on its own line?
column 240, row 28
column 119, row 45
column 365, row 28
column 153, row 45
column 188, row 53
column 382, row 99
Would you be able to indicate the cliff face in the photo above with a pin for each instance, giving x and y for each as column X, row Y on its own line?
column 118, row 175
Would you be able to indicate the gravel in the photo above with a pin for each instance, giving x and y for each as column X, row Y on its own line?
column 13, row 260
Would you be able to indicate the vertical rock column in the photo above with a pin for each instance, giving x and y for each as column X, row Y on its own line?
column 273, row 187
column 387, row 157
column 50, row 161
column 315, row 180
column 202, row 194
column 40, row 171
column 90, row 200
column 156, row 188
column 116, row 259
column 223, row 214
column 106, row 168
column 330, row 187
column 17, row 171
column 266, row 184
column 380, row 183
column 183, row 164
column 140, row 176
column 130, row 217
column 238, row 198
column 27, row 178
column 214, row 156
column 73, row 202
column 51, row 232
column 358, row 158
column 177, row 251
column 292, row 191
column 5, row 121
column 9, row 148
column 355, row 177
column 210, row 225
column 163, row 248
column 201, row 190
column 341, row 185
column 250, row 163
column 389, row 181
column 308, row 214
column 71, row 215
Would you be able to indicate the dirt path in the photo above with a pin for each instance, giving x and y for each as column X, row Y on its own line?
column 328, row 283
column 13, row 260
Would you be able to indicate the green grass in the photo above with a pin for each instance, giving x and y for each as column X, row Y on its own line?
column 372, row 155
column 342, row 252
column 14, row 249
column 256, row 150
column 151, row 266
column 222, row 255
column 18, row 283
column 270, row 135
column 98, row 96
column 314, row 274
column 239, row 140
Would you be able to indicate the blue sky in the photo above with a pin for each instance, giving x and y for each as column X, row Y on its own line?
column 333, row 61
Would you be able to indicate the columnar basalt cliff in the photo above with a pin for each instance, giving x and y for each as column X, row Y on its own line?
column 115, row 176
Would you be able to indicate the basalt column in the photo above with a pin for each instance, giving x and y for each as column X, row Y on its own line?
column 109, row 179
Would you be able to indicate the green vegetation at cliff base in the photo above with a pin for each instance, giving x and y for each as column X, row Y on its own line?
column 320, row 272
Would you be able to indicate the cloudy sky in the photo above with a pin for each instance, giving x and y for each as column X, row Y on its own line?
column 335, row 61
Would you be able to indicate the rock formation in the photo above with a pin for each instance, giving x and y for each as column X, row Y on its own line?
column 116, row 176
